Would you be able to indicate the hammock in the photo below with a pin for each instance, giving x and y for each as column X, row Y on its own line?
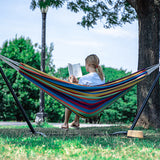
column 84, row 101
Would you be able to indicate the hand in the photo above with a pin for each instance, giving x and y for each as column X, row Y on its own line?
column 73, row 79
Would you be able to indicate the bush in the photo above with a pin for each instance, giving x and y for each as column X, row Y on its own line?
column 20, row 50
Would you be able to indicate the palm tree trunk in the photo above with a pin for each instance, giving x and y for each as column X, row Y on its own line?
column 42, row 99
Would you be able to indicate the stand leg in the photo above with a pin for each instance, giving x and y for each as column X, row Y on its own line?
column 142, row 107
column 17, row 101
column 145, row 101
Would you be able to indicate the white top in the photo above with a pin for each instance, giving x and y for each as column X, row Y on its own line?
column 91, row 79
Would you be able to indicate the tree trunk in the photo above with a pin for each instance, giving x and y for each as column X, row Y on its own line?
column 148, row 18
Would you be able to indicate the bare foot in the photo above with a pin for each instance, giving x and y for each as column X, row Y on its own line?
column 75, row 124
column 65, row 126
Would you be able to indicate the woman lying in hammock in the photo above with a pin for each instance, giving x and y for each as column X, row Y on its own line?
column 94, row 77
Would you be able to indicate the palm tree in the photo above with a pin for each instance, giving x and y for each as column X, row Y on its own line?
column 40, row 116
column 43, row 5
column 42, row 99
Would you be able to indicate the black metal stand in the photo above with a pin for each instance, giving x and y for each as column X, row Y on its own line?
column 18, row 103
column 142, row 107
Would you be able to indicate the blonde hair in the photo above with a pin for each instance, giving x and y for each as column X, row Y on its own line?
column 93, row 60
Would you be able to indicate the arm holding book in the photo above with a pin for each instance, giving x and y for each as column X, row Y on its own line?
column 73, row 79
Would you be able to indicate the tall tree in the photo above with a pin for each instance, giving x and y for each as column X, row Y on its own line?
column 43, row 5
column 148, row 22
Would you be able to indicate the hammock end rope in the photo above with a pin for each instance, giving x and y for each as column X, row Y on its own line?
column 10, row 62
column 152, row 68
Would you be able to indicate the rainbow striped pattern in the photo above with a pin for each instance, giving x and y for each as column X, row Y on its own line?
column 85, row 101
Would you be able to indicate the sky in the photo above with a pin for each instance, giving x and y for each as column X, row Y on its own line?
column 116, row 47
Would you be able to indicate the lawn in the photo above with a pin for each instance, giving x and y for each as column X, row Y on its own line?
column 86, row 143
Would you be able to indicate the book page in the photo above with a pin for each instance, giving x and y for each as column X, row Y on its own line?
column 70, row 69
column 75, row 70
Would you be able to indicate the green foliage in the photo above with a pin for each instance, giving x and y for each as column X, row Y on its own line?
column 54, row 109
column 123, row 110
column 62, row 73
column 20, row 50
column 46, row 3
column 111, row 12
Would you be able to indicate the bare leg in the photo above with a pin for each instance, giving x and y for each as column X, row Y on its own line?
column 67, row 115
column 76, row 119
column 75, row 123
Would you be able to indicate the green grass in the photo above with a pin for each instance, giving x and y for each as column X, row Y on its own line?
column 85, row 143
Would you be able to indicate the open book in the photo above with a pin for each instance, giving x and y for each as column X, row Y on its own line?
column 75, row 70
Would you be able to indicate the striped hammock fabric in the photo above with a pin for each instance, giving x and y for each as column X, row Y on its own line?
column 85, row 101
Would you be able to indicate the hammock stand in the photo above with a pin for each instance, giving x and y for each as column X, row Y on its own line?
column 151, row 69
